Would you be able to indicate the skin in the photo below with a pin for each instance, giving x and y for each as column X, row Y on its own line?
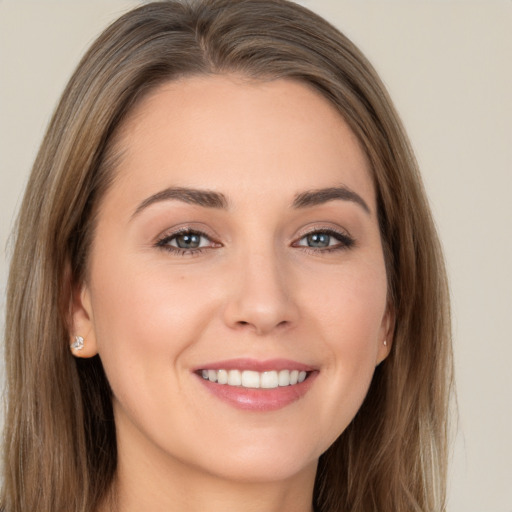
column 256, row 290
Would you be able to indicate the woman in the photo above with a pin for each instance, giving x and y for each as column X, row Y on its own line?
column 226, row 290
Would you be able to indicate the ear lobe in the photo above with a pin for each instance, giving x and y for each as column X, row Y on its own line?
column 82, row 341
column 386, row 336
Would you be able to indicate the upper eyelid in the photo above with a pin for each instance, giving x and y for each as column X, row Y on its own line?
column 174, row 232
column 331, row 230
column 164, row 243
column 324, row 229
column 200, row 235
column 344, row 238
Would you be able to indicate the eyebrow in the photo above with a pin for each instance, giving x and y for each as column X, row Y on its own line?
column 324, row 195
column 211, row 199
column 204, row 198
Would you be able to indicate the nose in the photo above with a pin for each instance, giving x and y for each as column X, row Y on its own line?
column 262, row 296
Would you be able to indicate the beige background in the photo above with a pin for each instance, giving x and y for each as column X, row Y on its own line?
column 448, row 67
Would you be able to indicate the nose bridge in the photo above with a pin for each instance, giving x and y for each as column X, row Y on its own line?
column 262, row 298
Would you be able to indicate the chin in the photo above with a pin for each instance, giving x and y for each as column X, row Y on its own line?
column 264, row 468
column 271, row 459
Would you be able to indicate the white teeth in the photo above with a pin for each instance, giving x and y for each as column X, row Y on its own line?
column 269, row 380
column 284, row 378
column 250, row 379
column 234, row 378
column 255, row 380
column 222, row 377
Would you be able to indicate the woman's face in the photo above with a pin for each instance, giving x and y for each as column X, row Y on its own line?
column 237, row 247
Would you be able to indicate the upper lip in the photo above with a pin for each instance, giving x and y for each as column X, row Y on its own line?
column 256, row 365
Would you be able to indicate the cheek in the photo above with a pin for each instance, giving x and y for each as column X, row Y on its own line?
column 125, row 321
column 144, row 319
column 350, row 306
column 349, row 317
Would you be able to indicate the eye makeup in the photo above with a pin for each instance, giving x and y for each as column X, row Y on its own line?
column 321, row 240
column 188, row 241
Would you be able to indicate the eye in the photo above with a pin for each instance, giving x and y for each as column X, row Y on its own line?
column 188, row 241
column 325, row 240
column 185, row 241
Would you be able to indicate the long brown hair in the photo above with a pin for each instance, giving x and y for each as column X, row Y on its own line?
column 60, row 447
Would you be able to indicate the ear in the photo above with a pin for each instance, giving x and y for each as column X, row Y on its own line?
column 386, row 334
column 82, row 333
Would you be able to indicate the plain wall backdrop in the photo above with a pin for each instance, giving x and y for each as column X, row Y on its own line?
column 447, row 65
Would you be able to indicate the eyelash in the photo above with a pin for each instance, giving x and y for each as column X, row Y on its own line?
column 345, row 242
column 164, row 242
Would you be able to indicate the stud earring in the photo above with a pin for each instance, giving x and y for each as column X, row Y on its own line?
column 385, row 343
column 78, row 344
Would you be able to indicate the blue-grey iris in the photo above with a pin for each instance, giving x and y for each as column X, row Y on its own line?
column 318, row 240
column 188, row 241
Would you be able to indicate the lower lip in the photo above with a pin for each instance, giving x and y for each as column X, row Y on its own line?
column 259, row 399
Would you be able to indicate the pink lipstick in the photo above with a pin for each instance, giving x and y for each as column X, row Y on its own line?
column 257, row 385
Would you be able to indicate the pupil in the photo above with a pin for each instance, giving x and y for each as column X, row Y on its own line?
column 318, row 240
column 188, row 241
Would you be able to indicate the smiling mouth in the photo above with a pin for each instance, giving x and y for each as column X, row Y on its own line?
column 253, row 379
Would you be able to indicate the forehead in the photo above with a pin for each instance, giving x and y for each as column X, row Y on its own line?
column 217, row 131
